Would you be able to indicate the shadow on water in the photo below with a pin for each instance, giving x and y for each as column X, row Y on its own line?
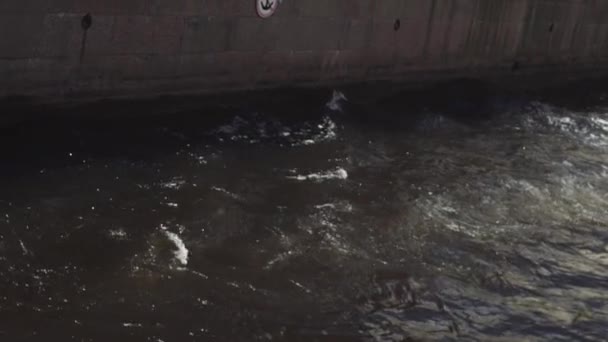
column 463, row 211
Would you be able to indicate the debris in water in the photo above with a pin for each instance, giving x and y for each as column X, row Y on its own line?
column 338, row 173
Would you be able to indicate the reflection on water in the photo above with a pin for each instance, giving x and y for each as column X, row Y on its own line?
column 336, row 221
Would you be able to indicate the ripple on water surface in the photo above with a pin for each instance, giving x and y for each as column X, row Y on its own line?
column 420, row 224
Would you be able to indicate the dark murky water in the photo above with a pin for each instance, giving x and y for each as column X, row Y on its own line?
column 433, row 219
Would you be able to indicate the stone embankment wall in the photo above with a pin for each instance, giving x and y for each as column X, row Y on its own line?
column 62, row 48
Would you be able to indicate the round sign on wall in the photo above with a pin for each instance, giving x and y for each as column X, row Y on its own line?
column 266, row 8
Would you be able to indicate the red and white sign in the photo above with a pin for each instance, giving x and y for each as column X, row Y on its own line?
column 266, row 8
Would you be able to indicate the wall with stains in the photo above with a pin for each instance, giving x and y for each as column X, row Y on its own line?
column 144, row 47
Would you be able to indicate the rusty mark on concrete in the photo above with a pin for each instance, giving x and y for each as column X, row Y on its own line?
column 85, row 23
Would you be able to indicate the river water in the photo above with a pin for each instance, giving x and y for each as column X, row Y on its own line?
column 419, row 216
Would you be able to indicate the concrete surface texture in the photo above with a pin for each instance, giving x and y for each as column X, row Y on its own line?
column 63, row 48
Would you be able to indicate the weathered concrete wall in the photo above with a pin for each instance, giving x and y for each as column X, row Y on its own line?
column 140, row 47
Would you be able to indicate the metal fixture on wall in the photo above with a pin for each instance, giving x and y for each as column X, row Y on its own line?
column 266, row 8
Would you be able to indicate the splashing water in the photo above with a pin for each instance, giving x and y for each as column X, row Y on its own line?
column 376, row 221
column 181, row 252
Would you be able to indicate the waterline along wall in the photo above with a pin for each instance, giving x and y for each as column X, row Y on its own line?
column 63, row 48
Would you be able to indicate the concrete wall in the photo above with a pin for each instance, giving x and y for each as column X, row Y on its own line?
column 143, row 47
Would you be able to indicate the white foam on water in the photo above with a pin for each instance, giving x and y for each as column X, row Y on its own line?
column 338, row 173
column 548, row 115
column 339, row 206
column 174, row 184
column 181, row 253
column 445, row 208
column 598, row 136
column 563, row 122
column 596, row 140
column 600, row 123
column 466, row 229
column 233, row 127
column 328, row 129
column 279, row 259
column 226, row 192
column 327, row 132
column 304, row 288
column 336, row 241
column 118, row 234
column 23, row 248
column 527, row 187
column 326, row 206
column 590, row 128
column 202, row 275
column 201, row 160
